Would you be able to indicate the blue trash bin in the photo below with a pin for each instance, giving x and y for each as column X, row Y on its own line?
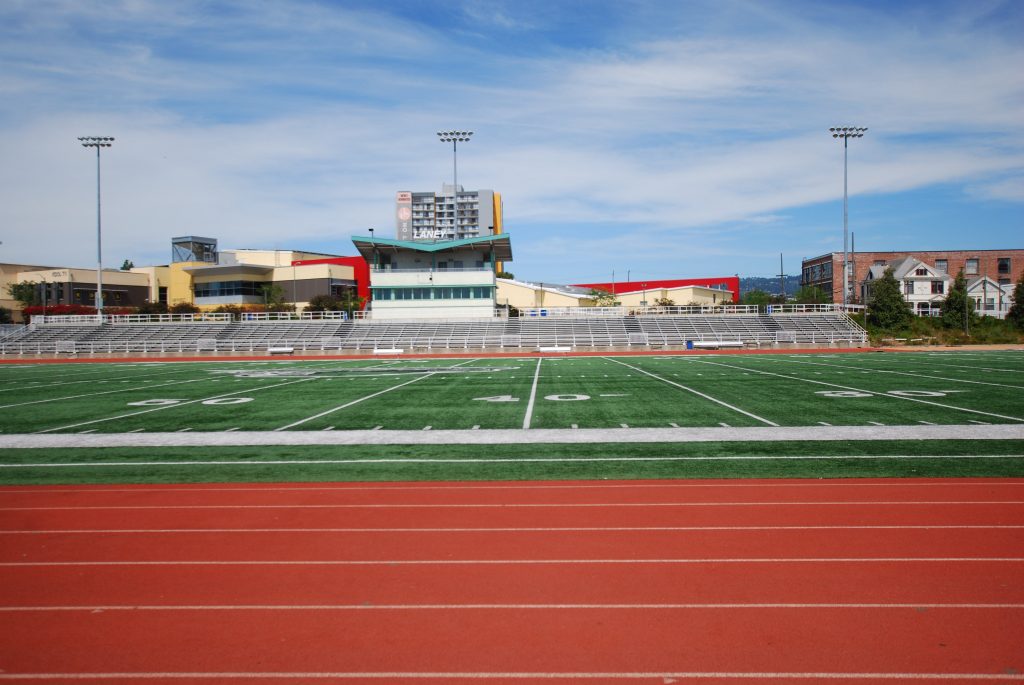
column 689, row 344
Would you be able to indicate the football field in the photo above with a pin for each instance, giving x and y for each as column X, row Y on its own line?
column 410, row 415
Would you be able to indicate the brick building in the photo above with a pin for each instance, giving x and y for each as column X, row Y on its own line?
column 1002, row 266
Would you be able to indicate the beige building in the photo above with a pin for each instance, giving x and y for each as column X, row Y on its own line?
column 523, row 295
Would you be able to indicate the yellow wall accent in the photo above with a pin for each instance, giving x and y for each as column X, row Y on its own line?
column 179, row 283
column 499, row 227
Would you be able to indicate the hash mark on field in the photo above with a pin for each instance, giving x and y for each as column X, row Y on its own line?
column 329, row 428
column 927, row 423
column 137, row 430
column 475, row 427
column 674, row 425
column 231, row 430
column 426, row 428
column 573, row 425
column 624, row 425
column 824, row 423
column 981, row 423
column 183, row 430
column 91, row 430
column 723, row 424
column 376, row 428
column 876, row 423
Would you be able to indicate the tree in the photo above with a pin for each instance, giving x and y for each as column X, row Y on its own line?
column 758, row 297
column 183, row 308
column 506, row 275
column 26, row 292
column 324, row 303
column 603, row 298
column 5, row 315
column 1016, row 314
column 128, row 265
column 887, row 308
column 811, row 294
column 958, row 309
column 664, row 302
column 153, row 308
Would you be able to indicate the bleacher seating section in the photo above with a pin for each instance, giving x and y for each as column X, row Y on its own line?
column 529, row 334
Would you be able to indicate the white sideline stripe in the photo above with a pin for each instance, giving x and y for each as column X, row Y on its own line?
column 872, row 392
column 94, row 394
column 514, row 460
column 900, row 373
column 353, row 402
column 513, row 562
column 169, row 406
column 572, row 529
column 519, row 505
column 456, row 607
column 493, row 436
column 665, row 676
column 695, row 392
column 400, row 487
column 533, row 396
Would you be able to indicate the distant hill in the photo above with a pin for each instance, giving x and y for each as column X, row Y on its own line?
column 769, row 284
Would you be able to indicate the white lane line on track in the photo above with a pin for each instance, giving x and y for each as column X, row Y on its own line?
column 695, row 392
column 502, row 607
column 871, row 392
column 664, row 676
column 528, row 417
column 572, row 529
column 514, row 562
column 524, row 505
column 511, row 460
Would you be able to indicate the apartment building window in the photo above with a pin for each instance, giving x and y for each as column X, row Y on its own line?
column 938, row 287
column 942, row 265
column 1004, row 265
column 971, row 267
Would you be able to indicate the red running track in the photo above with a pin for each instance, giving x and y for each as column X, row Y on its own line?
column 720, row 581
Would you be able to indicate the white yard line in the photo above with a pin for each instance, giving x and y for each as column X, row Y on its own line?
column 89, row 380
column 512, row 460
column 516, row 436
column 170, row 406
column 106, row 392
column 695, row 392
column 900, row 373
column 533, row 397
column 872, row 392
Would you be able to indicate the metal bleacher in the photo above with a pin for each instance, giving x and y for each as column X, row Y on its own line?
column 366, row 336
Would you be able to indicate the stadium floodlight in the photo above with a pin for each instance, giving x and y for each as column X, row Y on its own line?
column 455, row 137
column 98, row 142
column 846, row 132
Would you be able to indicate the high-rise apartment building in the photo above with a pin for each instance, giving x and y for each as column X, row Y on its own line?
column 448, row 215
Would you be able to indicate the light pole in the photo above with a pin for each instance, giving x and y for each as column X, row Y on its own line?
column 455, row 137
column 846, row 132
column 98, row 142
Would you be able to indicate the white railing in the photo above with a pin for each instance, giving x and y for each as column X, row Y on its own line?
column 812, row 308
column 93, row 319
column 594, row 312
column 292, row 316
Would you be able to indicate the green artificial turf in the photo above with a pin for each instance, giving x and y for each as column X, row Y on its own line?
column 708, row 390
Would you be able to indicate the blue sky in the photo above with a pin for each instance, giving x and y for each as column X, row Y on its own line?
column 670, row 139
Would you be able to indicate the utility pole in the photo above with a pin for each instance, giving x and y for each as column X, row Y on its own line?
column 782, row 280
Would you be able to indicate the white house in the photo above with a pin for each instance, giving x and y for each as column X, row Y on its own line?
column 924, row 287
